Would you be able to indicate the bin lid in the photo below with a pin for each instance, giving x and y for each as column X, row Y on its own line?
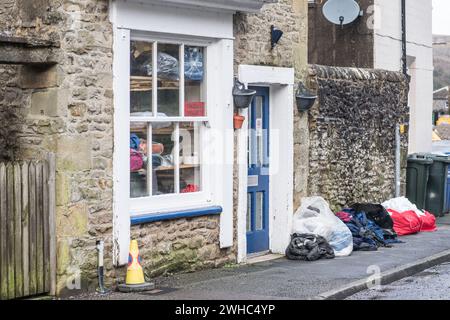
column 437, row 157
column 419, row 158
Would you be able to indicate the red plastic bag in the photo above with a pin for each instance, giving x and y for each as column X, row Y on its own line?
column 406, row 222
column 428, row 223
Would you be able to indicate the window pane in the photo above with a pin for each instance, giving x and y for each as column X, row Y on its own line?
column 168, row 79
column 259, row 210
column 249, row 212
column 257, row 134
column 141, row 78
column 250, row 156
column 194, row 74
column 139, row 186
column 163, row 148
column 190, row 157
column 259, row 131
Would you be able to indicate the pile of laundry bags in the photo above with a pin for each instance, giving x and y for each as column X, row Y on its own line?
column 316, row 218
column 361, row 227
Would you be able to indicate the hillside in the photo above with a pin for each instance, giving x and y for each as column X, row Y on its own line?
column 441, row 51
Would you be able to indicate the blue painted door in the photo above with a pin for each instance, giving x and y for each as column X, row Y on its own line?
column 258, row 173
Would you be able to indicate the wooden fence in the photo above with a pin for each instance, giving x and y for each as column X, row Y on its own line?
column 27, row 228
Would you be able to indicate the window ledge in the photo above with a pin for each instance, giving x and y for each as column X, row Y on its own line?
column 192, row 213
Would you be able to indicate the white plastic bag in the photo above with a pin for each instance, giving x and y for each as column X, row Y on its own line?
column 402, row 204
column 315, row 217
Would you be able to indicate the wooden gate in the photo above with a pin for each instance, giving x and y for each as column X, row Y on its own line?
column 27, row 228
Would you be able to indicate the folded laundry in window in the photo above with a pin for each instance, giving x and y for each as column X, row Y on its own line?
column 190, row 188
column 134, row 141
column 156, row 161
column 155, row 125
column 143, row 146
column 142, row 65
column 157, row 148
column 136, row 160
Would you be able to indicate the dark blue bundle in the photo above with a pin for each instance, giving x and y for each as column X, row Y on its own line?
column 367, row 235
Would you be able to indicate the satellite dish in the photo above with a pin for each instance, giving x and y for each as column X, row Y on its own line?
column 341, row 12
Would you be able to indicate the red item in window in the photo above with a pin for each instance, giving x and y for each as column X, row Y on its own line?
column 136, row 161
column 190, row 188
column 194, row 109
column 157, row 148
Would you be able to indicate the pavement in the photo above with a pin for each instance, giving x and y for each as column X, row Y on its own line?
column 338, row 278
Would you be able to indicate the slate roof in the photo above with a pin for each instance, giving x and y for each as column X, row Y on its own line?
column 441, row 93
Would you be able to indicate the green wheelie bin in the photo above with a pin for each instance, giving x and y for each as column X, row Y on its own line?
column 436, row 199
column 417, row 174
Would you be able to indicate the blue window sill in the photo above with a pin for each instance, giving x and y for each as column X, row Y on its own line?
column 149, row 218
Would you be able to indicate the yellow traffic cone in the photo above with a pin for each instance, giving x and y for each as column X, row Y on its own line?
column 135, row 281
column 135, row 274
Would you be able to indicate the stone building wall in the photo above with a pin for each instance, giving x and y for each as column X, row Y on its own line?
column 192, row 244
column 252, row 46
column 68, row 111
column 11, row 120
column 351, row 45
column 181, row 245
column 72, row 116
column 352, row 134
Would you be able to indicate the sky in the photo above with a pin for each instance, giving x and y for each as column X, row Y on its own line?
column 441, row 17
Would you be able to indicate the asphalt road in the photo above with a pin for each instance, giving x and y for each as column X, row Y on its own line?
column 431, row 284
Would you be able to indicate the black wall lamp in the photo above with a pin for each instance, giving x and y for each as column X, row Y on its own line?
column 276, row 35
column 305, row 99
column 242, row 97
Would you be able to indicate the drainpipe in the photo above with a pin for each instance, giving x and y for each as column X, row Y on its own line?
column 397, row 160
column 397, row 126
column 405, row 66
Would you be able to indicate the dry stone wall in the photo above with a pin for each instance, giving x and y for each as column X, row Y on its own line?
column 252, row 46
column 352, row 134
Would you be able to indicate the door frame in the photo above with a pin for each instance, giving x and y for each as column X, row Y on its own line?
column 281, row 176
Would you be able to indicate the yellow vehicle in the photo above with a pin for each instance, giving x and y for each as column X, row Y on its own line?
column 445, row 119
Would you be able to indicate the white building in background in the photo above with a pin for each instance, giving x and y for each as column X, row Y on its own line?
column 388, row 55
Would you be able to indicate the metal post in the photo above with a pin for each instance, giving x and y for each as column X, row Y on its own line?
column 101, row 272
column 397, row 126
column 397, row 160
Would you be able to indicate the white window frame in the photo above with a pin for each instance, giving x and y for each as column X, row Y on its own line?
column 155, row 204
column 214, row 26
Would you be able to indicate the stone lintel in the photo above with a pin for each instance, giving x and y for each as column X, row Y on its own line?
column 24, row 52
